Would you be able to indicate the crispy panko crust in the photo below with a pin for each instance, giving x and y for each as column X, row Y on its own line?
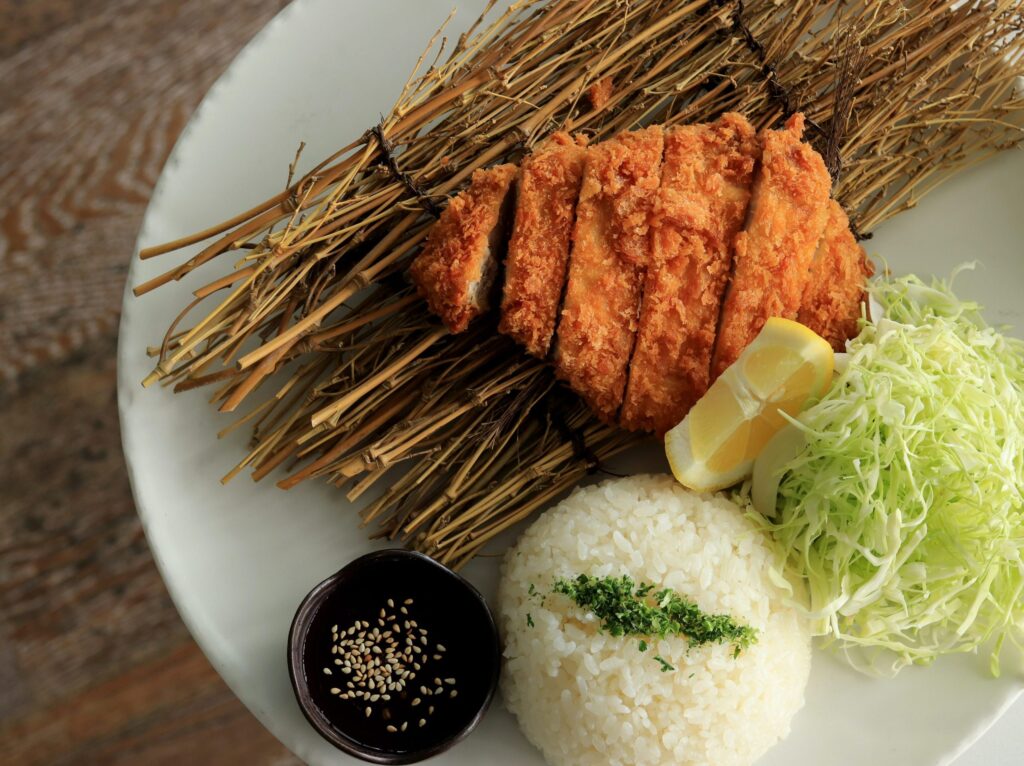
column 538, row 252
column 835, row 290
column 457, row 266
column 773, row 254
column 702, row 204
column 600, row 93
column 610, row 251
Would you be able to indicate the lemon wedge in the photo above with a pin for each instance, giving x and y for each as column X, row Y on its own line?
column 716, row 443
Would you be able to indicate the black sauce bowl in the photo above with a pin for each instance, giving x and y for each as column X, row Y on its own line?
column 454, row 614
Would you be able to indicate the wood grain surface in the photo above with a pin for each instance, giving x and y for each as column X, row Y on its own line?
column 95, row 665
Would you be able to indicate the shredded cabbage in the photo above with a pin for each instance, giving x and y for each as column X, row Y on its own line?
column 904, row 513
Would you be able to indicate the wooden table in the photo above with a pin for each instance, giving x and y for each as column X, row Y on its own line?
column 95, row 665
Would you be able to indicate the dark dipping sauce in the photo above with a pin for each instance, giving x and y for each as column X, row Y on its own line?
column 461, row 644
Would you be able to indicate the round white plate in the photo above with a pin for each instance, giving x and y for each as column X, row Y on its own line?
column 238, row 559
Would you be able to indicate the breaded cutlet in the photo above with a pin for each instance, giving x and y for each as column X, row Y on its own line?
column 773, row 254
column 706, row 179
column 610, row 251
column 831, row 302
column 538, row 252
column 456, row 268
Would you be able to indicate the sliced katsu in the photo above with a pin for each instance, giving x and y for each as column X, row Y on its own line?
column 642, row 266
column 832, row 300
column 538, row 251
column 706, row 180
column 773, row 254
column 456, row 269
column 610, row 251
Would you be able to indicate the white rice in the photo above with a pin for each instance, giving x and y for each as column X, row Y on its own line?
column 584, row 697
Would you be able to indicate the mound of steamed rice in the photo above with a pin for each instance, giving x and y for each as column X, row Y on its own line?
column 585, row 697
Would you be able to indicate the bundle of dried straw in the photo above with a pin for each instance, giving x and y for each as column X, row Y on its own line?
column 462, row 436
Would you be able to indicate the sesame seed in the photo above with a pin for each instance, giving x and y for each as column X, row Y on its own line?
column 440, row 648
column 403, row 610
column 335, row 690
column 391, row 603
column 392, row 729
column 327, row 671
column 437, row 656
column 454, row 694
column 374, row 697
column 334, row 629
column 368, row 711
column 430, row 710
column 405, row 725
column 407, row 602
column 439, row 690
column 416, row 701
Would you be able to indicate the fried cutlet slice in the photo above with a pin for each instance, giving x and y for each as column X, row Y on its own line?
column 773, row 254
column 538, row 252
column 831, row 302
column 706, row 180
column 456, row 268
column 610, row 251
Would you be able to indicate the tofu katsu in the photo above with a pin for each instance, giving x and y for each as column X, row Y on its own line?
column 610, row 250
column 538, row 251
column 831, row 304
column 640, row 267
column 773, row 254
column 706, row 180
column 457, row 267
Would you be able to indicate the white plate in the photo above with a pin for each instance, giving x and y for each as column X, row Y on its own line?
column 238, row 559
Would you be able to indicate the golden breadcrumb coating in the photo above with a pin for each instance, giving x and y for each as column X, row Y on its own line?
column 600, row 93
column 835, row 290
column 538, row 252
column 706, row 181
column 456, row 268
column 610, row 251
column 773, row 254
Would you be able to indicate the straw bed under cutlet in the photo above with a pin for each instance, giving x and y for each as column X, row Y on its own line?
column 898, row 96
